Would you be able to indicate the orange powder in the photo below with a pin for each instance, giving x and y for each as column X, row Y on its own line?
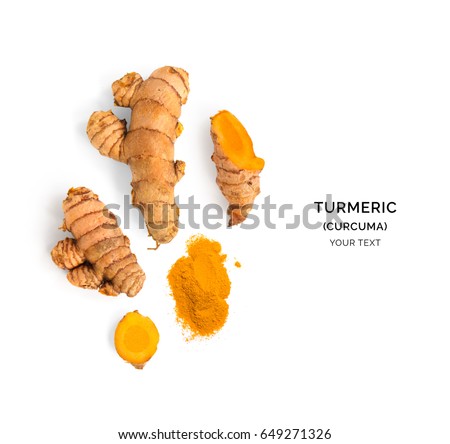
column 200, row 287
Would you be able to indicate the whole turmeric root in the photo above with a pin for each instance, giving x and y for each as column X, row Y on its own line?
column 99, row 256
column 237, row 166
column 148, row 146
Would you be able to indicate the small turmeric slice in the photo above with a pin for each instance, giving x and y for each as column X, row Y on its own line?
column 136, row 339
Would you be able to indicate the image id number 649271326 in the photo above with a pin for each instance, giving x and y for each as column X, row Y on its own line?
column 295, row 434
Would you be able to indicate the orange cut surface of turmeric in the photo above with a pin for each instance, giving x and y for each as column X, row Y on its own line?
column 136, row 339
column 200, row 286
column 237, row 165
column 235, row 141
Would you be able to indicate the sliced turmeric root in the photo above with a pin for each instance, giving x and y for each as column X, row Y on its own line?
column 237, row 165
column 136, row 339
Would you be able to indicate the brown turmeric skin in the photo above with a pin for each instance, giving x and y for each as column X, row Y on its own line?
column 148, row 146
column 99, row 255
column 200, row 286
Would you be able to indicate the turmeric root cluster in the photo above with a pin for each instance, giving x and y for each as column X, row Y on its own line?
column 148, row 146
column 99, row 255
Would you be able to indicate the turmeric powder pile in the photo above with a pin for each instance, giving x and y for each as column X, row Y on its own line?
column 200, row 286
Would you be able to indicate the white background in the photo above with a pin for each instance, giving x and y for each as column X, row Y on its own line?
column 343, row 97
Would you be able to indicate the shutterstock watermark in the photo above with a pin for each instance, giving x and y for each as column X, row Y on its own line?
column 213, row 216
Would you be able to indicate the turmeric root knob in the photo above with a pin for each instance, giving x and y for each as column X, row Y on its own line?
column 136, row 339
column 237, row 166
column 66, row 254
column 99, row 256
column 148, row 146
